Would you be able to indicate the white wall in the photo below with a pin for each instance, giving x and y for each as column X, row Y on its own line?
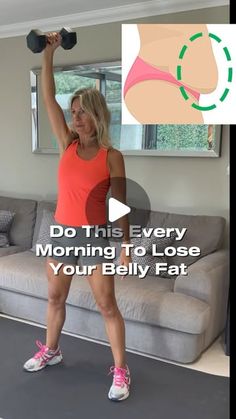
column 184, row 184
column 195, row 185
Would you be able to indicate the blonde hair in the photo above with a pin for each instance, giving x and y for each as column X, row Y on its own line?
column 94, row 103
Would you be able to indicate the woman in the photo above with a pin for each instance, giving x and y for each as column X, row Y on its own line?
column 87, row 164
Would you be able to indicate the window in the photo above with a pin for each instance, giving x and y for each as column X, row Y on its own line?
column 176, row 140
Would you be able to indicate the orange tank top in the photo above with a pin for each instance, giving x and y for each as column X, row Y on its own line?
column 82, row 188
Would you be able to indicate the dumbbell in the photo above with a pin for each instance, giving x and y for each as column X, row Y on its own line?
column 37, row 40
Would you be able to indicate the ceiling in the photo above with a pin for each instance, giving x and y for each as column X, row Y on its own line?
column 18, row 16
column 15, row 11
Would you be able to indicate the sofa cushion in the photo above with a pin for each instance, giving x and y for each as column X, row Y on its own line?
column 204, row 231
column 44, row 230
column 48, row 205
column 6, row 218
column 151, row 301
column 21, row 232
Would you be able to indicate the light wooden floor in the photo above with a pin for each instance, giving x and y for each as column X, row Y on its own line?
column 213, row 360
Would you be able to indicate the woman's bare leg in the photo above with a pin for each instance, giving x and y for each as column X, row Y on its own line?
column 58, row 289
column 104, row 294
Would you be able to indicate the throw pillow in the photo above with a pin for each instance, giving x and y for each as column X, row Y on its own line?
column 160, row 242
column 6, row 218
column 4, row 242
column 149, row 259
column 44, row 229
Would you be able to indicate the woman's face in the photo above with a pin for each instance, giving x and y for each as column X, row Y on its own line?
column 82, row 122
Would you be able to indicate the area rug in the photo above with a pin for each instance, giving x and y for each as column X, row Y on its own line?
column 78, row 387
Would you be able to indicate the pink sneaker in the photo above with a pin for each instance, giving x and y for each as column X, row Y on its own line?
column 43, row 358
column 121, row 383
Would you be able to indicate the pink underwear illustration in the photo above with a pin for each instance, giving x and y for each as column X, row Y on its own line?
column 141, row 71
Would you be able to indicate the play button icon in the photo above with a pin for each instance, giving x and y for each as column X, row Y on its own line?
column 105, row 201
column 116, row 209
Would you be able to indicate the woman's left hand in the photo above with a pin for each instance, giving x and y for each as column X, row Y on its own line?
column 124, row 260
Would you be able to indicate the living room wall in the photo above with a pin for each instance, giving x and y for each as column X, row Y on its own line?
column 193, row 185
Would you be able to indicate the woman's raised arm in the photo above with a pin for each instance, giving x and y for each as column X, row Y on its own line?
column 54, row 111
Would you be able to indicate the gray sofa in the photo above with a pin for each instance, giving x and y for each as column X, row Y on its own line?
column 171, row 318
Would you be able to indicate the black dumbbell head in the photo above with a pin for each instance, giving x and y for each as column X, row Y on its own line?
column 36, row 41
column 69, row 38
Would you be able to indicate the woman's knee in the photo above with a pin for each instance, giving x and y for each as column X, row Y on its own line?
column 58, row 287
column 57, row 301
column 107, row 306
